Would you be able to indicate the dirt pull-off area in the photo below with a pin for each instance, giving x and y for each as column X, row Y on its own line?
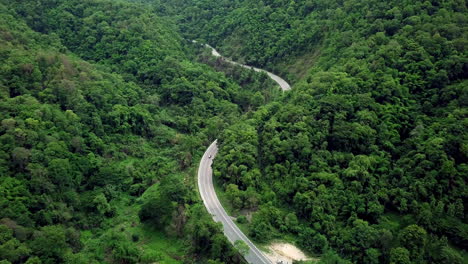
column 286, row 253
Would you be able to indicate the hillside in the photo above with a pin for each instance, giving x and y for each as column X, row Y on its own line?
column 104, row 113
column 366, row 156
column 290, row 36
column 106, row 107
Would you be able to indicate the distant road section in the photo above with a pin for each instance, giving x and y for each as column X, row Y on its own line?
column 280, row 81
column 214, row 207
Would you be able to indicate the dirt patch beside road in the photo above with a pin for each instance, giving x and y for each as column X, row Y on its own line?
column 285, row 252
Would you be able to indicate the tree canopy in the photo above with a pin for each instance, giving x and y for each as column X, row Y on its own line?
column 106, row 107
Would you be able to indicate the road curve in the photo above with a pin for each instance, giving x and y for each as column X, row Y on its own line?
column 280, row 81
column 214, row 207
column 206, row 188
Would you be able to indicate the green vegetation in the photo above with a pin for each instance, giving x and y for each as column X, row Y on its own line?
column 106, row 107
column 101, row 100
column 367, row 155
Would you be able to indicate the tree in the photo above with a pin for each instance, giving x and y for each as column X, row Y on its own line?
column 157, row 210
column 399, row 255
column 291, row 222
column 50, row 244
column 260, row 229
column 173, row 188
column 372, row 256
column 414, row 238
column 10, row 248
column 258, row 100
column 312, row 241
column 242, row 247
column 61, row 173
column 100, row 201
column 121, row 249
column 320, row 244
column 235, row 196
column 331, row 257
column 449, row 255
column 34, row 260
column 20, row 156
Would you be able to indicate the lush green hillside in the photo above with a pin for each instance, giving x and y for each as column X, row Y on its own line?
column 104, row 114
column 367, row 155
column 105, row 109
column 289, row 36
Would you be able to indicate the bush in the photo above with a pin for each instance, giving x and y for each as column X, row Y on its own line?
column 242, row 219
column 156, row 210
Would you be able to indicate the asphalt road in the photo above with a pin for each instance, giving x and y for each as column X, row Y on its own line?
column 214, row 207
column 207, row 191
column 280, row 81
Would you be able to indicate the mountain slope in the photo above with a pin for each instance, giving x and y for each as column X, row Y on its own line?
column 277, row 33
column 366, row 156
column 101, row 120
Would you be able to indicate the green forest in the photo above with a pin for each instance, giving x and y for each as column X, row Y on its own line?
column 106, row 108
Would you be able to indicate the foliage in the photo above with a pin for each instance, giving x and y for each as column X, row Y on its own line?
column 242, row 247
column 376, row 127
column 103, row 104
column 100, row 100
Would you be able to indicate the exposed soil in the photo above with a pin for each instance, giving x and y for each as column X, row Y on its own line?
column 286, row 253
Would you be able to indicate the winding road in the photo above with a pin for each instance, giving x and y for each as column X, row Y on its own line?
column 280, row 81
column 207, row 191
column 214, row 207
